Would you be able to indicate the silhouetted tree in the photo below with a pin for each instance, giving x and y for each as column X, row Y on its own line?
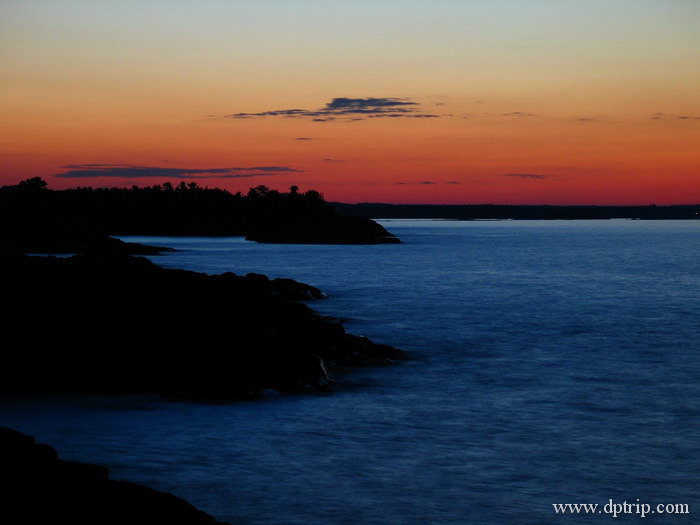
column 261, row 191
column 32, row 185
column 314, row 195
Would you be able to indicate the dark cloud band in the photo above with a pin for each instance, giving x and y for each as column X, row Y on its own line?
column 125, row 171
column 349, row 109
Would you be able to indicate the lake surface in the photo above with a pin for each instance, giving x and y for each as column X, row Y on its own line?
column 552, row 362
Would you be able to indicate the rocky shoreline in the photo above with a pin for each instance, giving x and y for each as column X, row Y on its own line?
column 114, row 323
column 107, row 321
column 38, row 487
column 117, row 323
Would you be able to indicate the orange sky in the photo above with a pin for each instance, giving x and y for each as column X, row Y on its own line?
column 506, row 101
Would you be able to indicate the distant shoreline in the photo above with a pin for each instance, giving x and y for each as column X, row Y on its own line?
column 439, row 219
column 465, row 212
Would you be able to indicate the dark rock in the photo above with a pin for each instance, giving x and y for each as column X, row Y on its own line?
column 51, row 240
column 331, row 230
column 38, row 487
column 115, row 323
column 296, row 291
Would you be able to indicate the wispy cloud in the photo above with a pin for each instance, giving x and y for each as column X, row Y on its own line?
column 667, row 116
column 349, row 109
column 517, row 114
column 127, row 171
column 526, row 175
column 424, row 183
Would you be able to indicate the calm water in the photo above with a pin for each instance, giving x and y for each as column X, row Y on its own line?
column 554, row 362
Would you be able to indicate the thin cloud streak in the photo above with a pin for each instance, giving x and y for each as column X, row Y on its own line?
column 517, row 114
column 666, row 116
column 424, row 183
column 536, row 176
column 126, row 171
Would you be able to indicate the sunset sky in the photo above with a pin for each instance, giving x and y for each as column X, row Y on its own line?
column 431, row 101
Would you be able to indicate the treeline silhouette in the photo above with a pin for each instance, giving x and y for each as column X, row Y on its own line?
column 532, row 212
column 34, row 216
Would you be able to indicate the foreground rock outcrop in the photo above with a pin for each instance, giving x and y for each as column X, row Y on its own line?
column 115, row 323
column 38, row 487
column 57, row 240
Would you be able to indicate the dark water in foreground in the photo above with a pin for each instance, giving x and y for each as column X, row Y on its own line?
column 554, row 362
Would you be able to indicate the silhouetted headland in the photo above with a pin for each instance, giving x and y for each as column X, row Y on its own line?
column 38, row 487
column 118, row 323
column 38, row 220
